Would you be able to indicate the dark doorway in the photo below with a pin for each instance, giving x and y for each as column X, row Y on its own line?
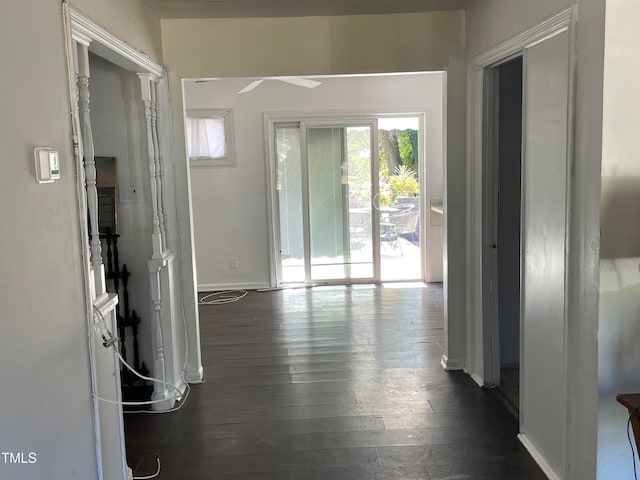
column 509, row 163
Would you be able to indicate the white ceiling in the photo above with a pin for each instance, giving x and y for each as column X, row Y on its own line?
column 294, row 8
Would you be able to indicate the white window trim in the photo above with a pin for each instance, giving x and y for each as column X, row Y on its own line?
column 229, row 160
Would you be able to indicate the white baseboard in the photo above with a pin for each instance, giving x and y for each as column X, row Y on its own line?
column 477, row 378
column 165, row 397
column 182, row 385
column 216, row 287
column 195, row 377
column 129, row 473
column 538, row 458
column 451, row 364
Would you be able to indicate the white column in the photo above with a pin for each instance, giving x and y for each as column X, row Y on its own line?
column 83, row 74
column 146, row 81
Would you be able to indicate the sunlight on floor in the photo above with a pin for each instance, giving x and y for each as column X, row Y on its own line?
column 399, row 285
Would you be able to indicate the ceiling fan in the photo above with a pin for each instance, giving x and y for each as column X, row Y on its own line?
column 298, row 81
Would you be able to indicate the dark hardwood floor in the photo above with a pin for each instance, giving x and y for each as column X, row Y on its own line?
column 330, row 383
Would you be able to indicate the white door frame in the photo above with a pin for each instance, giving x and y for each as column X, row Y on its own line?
column 479, row 152
column 490, row 183
column 482, row 339
column 272, row 119
column 83, row 35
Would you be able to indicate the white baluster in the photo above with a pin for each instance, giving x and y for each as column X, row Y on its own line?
column 145, row 84
column 84, row 99
column 162, row 214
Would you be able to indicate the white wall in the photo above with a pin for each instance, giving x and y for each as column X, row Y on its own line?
column 118, row 125
column 45, row 380
column 619, row 356
column 312, row 45
column 338, row 45
column 490, row 22
column 230, row 204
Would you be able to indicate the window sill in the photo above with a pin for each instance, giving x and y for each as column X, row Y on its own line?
column 210, row 162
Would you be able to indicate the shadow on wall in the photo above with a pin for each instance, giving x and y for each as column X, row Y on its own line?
column 620, row 218
column 619, row 321
column 618, row 362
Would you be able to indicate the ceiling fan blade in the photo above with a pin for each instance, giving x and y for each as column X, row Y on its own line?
column 300, row 82
column 250, row 86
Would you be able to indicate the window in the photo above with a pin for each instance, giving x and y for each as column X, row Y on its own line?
column 210, row 141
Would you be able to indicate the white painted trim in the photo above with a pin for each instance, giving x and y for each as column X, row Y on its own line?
column 81, row 197
column 552, row 26
column 538, row 458
column 181, row 384
column 105, row 304
column 81, row 30
column 272, row 200
column 229, row 159
column 198, row 377
column 504, row 51
column 565, row 20
column 476, row 378
column 217, row 287
column 306, row 223
column 451, row 364
column 84, row 29
column 351, row 115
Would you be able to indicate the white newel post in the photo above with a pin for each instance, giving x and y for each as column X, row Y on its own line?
column 99, row 283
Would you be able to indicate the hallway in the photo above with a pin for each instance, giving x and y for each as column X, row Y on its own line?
column 330, row 383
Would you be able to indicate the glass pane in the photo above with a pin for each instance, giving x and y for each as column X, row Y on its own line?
column 400, row 254
column 289, row 190
column 339, row 165
column 359, row 168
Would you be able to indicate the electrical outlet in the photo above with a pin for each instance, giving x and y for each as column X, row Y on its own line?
column 233, row 263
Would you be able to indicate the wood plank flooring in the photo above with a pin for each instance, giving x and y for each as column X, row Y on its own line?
column 330, row 383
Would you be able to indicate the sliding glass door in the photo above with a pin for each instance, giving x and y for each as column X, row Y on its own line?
column 291, row 251
column 326, row 176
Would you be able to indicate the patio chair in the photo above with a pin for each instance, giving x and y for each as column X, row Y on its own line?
column 406, row 223
column 389, row 234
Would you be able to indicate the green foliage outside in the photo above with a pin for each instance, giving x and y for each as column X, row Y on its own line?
column 407, row 145
column 404, row 180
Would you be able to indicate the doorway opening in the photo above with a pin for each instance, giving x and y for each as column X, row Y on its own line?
column 348, row 200
column 505, row 212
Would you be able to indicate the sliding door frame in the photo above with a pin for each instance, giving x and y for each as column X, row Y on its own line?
column 272, row 120
column 343, row 123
